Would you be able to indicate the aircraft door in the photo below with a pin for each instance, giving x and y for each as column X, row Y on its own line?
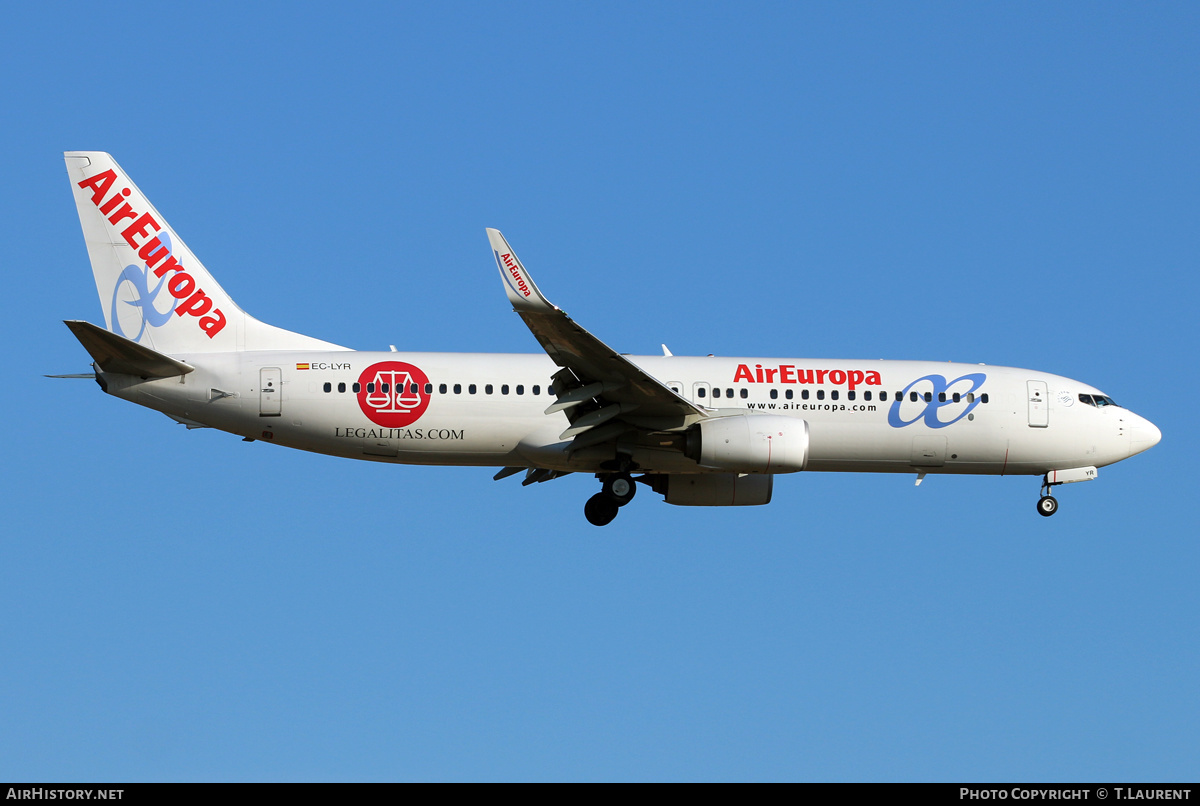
column 1039, row 412
column 270, row 392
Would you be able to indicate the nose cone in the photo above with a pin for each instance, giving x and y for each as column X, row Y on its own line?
column 1143, row 436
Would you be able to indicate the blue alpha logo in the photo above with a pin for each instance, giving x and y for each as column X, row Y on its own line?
column 935, row 400
column 143, row 298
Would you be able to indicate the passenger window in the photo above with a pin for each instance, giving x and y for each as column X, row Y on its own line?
column 804, row 394
column 914, row 397
column 487, row 390
column 504, row 389
column 820, row 394
column 520, row 389
column 970, row 397
column 441, row 388
column 412, row 388
column 341, row 387
column 328, row 386
column 471, row 389
column 788, row 394
column 882, row 397
column 983, row 398
column 866, row 395
column 428, row 389
column 700, row 392
column 371, row 388
column 850, row 395
column 385, row 388
column 833, row 395
column 929, row 397
column 458, row 388
column 957, row 397
column 716, row 391
column 356, row 388
column 941, row 397
column 774, row 394
column 745, row 394
column 537, row 390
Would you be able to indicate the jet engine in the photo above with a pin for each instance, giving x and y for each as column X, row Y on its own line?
column 749, row 443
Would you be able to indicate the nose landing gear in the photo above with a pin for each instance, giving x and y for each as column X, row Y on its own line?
column 601, row 508
column 1047, row 505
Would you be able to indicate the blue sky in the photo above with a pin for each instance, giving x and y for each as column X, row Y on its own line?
column 1010, row 183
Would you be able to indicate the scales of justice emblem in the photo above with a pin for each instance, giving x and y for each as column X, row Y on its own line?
column 393, row 393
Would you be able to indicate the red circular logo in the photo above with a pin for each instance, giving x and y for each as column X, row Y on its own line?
column 392, row 393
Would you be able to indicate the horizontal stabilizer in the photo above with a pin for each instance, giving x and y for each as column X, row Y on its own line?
column 115, row 353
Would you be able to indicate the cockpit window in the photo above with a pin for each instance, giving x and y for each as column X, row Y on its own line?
column 1099, row 401
column 1086, row 399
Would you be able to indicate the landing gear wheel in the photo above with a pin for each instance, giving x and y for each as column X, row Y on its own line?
column 600, row 509
column 620, row 487
column 1047, row 505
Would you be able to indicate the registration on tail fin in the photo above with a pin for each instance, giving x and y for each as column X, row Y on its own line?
column 153, row 290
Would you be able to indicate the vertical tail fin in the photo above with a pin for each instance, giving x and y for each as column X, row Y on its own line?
column 152, row 288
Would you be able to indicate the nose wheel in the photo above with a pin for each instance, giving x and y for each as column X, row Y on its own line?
column 1047, row 505
column 601, row 508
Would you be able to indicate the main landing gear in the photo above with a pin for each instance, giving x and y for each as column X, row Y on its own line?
column 1047, row 505
column 619, row 489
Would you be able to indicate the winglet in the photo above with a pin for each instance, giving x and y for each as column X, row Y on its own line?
column 522, row 292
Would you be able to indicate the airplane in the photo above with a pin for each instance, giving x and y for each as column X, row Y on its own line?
column 700, row 431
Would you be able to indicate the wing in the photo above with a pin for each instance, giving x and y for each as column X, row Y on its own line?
column 604, row 394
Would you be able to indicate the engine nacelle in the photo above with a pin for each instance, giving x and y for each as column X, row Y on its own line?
column 750, row 443
column 715, row 489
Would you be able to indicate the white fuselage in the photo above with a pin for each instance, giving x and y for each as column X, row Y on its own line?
column 488, row 409
column 700, row 431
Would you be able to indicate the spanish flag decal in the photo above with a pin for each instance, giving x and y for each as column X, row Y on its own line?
column 302, row 366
